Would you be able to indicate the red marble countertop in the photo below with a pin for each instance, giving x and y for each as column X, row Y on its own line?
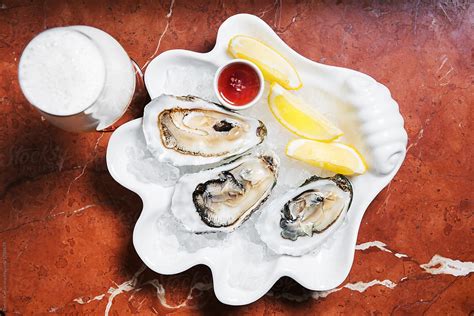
column 66, row 225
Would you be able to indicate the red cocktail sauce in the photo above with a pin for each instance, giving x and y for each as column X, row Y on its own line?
column 238, row 84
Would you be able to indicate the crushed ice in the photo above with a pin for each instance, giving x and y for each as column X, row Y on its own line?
column 245, row 239
column 147, row 169
column 180, row 80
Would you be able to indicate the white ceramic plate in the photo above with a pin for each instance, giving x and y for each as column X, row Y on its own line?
column 362, row 107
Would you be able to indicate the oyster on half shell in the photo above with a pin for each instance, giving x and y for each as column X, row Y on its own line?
column 303, row 218
column 221, row 199
column 190, row 131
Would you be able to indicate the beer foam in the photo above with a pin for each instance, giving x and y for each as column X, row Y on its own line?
column 62, row 72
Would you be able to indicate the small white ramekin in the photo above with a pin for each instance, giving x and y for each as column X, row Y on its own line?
column 251, row 103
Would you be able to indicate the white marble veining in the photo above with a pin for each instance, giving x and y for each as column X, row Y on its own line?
column 442, row 265
column 437, row 265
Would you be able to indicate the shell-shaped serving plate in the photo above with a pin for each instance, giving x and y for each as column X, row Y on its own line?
column 362, row 107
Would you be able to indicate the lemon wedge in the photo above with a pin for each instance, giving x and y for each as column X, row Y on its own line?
column 299, row 117
column 335, row 157
column 275, row 68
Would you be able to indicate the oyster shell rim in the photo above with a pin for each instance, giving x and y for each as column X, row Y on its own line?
column 152, row 133
column 341, row 182
column 265, row 154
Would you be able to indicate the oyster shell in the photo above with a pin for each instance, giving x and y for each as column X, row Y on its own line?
column 189, row 131
column 221, row 199
column 303, row 218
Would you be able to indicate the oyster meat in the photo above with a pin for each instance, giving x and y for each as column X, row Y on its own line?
column 303, row 218
column 221, row 199
column 190, row 131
